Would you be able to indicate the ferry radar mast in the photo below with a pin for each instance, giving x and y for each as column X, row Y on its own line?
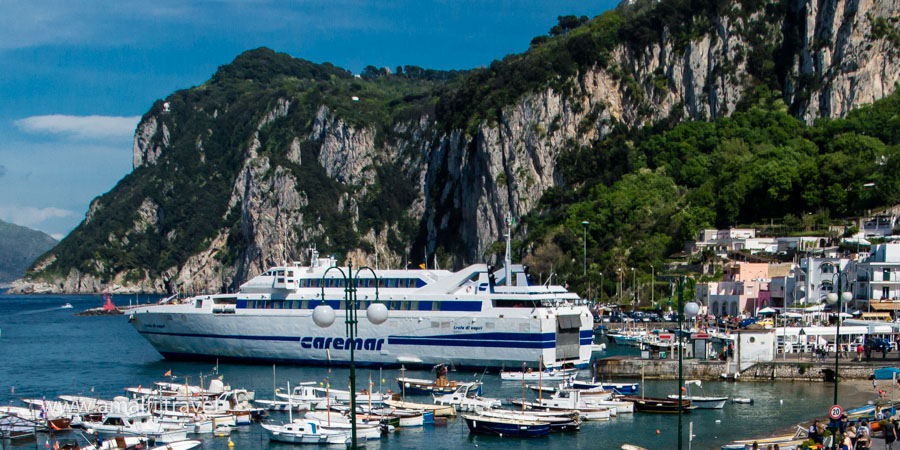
column 507, row 261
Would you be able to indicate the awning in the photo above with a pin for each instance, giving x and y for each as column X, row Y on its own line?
column 766, row 310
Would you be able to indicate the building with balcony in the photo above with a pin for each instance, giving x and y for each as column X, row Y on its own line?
column 876, row 279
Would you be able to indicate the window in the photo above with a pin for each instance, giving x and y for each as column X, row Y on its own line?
column 885, row 292
column 827, row 268
column 886, row 273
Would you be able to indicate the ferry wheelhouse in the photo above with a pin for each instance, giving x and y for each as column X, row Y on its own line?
column 475, row 317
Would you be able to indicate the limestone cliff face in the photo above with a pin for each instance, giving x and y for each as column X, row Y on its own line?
column 468, row 181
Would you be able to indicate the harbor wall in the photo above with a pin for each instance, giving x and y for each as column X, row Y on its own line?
column 667, row 369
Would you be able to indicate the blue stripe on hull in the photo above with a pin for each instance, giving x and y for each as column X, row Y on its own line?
column 319, row 362
column 492, row 340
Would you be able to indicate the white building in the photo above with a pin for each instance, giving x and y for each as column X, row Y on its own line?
column 819, row 276
column 876, row 278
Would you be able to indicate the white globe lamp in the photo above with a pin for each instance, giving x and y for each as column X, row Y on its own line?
column 323, row 316
column 831, row 298
column 691, row 309
column 377, row 313
column 846, row 296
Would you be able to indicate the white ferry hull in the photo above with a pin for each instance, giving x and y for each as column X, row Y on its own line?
column 408, row 338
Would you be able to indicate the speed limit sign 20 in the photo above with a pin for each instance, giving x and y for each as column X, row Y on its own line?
column 835, row 412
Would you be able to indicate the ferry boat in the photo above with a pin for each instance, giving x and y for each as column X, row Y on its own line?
column 477, row 317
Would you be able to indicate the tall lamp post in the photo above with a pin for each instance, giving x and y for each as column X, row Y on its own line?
column 690, row 309
column 837, row 298
column 601, row 289
column 323, row 316
column 584, row 226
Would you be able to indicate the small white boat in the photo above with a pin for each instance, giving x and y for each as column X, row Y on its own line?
column 700, row 401
column 66, row 306
column 302, row 431
column 465, row 399
column 179, row 445
column 743, row 400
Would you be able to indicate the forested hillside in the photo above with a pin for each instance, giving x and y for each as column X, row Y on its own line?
column 19, row 246
column 650, row 121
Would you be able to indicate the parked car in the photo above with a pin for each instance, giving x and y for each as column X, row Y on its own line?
column 878, row 345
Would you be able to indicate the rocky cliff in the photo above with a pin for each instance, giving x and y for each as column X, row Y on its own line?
column 272, row 156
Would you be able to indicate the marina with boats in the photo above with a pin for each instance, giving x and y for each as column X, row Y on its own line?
column 140, row 363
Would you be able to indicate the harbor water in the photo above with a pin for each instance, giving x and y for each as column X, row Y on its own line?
column 46, row 351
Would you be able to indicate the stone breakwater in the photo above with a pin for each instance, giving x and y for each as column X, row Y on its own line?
column 667, row 369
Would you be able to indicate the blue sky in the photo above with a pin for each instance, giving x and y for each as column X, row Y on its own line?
column 75, row 77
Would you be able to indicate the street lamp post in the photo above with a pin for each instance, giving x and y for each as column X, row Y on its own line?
column 837, row 298
column 633, row 287
column 690, row 309
column 584, row 226
column 376, row 313
column 601, row 288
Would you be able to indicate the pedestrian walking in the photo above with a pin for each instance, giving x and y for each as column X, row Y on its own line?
column 859, row 352
column 890, row 434
column 864, row 434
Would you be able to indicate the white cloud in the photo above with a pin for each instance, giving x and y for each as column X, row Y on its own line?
column 80, row 126
column 29, row 216
column 58, row 236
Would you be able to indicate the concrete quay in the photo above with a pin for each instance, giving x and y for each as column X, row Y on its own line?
column 797, row 369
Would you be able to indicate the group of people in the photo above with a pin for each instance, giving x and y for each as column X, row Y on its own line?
column 856, row 436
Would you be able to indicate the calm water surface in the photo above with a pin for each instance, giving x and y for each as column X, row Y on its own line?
column 46, row 351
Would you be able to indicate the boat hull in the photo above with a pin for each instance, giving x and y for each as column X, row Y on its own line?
column 289, row 336
column 487, row 425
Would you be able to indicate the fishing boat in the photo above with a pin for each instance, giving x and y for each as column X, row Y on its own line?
column 658, row 405
column 700, row 401
column 502, row 426
column 475, row 317
column 440, row 385
column 465, row 399
column 14, row 427
column 44, row 418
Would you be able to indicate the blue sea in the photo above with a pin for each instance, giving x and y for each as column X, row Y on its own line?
column 46, row 351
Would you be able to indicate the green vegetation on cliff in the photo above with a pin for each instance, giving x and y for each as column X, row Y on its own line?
column 646, row 192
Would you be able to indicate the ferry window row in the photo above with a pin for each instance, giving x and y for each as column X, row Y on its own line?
column 361, row 282
column 394, row 305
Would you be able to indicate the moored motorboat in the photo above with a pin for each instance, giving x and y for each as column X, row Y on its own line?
column 502, row 426
column 466, row 400
column 568, row 400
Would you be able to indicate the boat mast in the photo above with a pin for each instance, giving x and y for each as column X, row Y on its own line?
column 507, row 261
